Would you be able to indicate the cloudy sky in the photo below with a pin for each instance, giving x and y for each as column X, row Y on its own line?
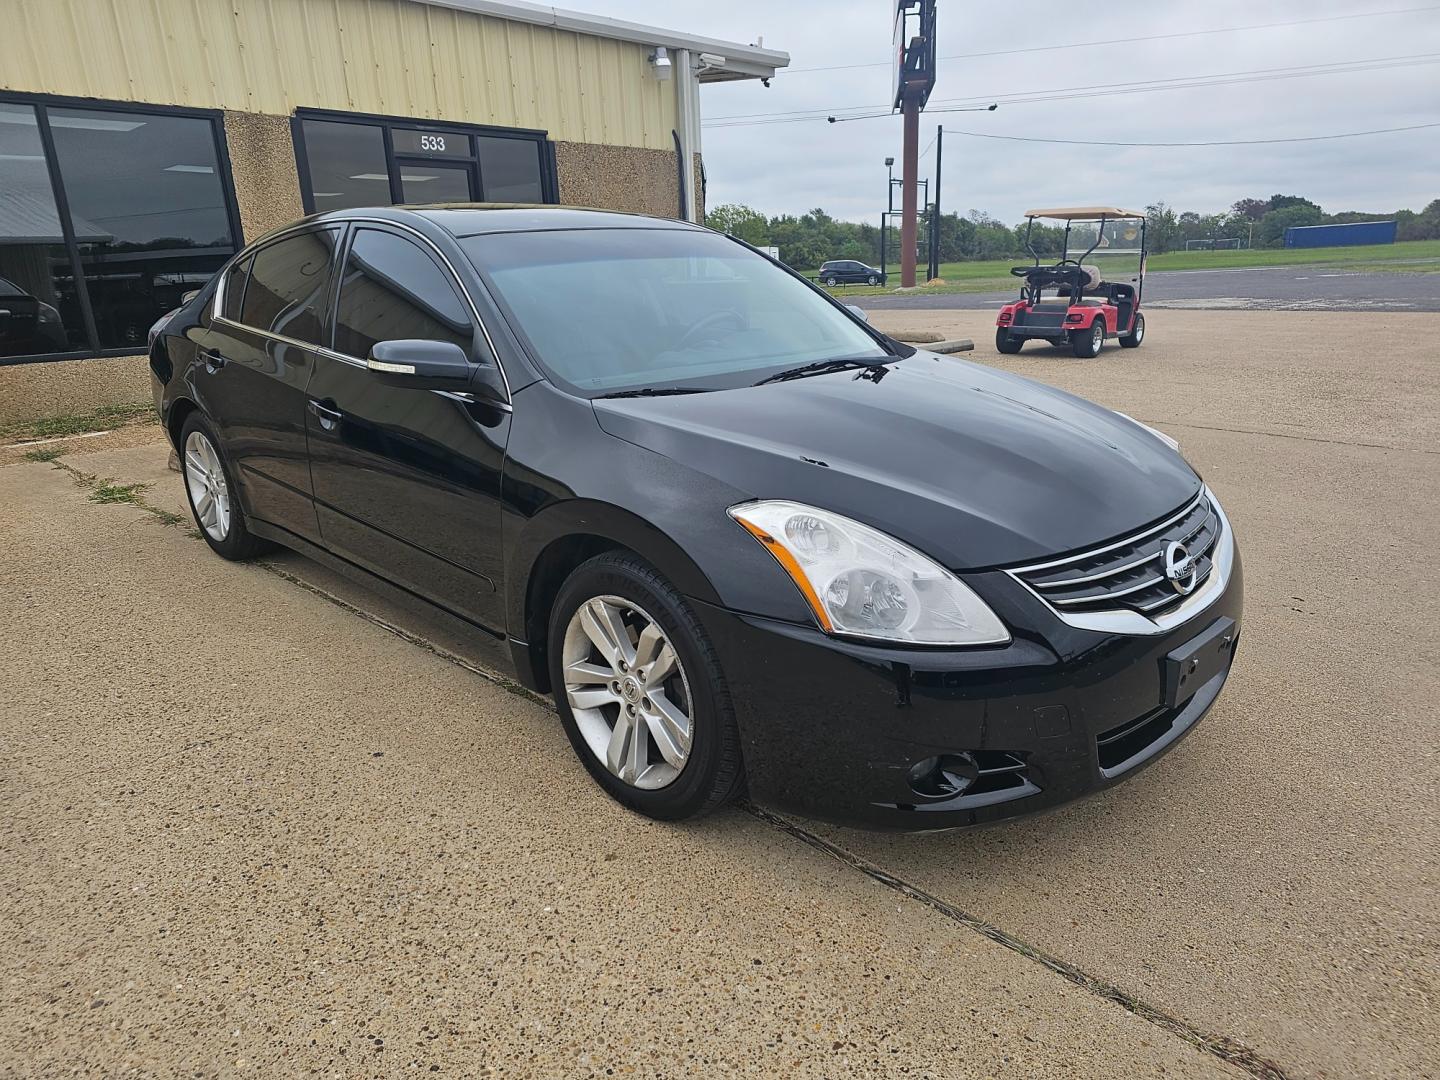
column 791, row 167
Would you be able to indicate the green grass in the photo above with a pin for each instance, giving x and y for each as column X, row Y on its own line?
column 105, row 418
column 111, row 492
column 44, row 453
column 993, row 275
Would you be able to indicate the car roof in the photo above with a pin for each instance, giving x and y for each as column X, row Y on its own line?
column 473, row 219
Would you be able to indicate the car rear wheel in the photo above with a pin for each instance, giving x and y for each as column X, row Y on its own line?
column 831, row 282
column 640, row 691
column 210, row 490
column 1006, row 342
column 1086, row 343
column 1133, row 339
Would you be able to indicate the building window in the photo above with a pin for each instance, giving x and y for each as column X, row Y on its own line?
column 347, row 162
column 109, row 217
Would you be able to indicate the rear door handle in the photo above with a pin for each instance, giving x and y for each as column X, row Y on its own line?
column 328, row 416
column 214, row 361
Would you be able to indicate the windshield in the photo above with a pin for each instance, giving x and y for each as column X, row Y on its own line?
column 609, row 310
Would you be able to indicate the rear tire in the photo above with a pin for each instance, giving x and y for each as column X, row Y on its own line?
column 1087, row 343
column 1006, row 343
column 1133, row 339
column 830, row 281
column 665, row 742
column 210, row 490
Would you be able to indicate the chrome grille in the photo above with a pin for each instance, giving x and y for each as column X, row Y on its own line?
column 1130, row 574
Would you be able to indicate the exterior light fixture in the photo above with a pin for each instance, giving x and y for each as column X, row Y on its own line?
column 661, row 60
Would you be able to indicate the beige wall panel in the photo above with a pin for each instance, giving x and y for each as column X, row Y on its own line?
column 262, row 164
column 71, row 387
column 628, row 178
column 392, row 57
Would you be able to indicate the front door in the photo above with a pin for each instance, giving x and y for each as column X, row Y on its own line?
column 424, row 181
column 407, row 482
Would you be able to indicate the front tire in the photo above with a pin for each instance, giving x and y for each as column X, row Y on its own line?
column 872, row 280
column 1086, row 343
column 1006, row 342
column 640, row 691
column 210, row 490
column 1133, row 339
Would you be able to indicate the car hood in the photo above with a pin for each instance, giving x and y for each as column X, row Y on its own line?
column 973, row 466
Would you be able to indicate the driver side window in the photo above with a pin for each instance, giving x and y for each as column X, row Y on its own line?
column 392, row 288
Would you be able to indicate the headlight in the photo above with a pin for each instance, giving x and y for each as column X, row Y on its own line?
column 860, row 582
column 1166, row 439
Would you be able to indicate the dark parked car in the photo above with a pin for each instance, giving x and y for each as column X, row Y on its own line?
column 743, row 538
column 849, row 272
column 27, row 323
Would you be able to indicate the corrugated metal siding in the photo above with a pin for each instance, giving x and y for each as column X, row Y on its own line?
column 377, row 56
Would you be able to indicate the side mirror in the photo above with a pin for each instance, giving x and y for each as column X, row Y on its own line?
column 186, row 297
column 859, row 313
column 418, row 364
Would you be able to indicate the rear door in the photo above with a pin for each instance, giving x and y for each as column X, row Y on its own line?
column 407, row 482
column 259, row 356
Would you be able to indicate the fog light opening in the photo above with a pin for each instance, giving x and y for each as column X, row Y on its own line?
column 944, row 776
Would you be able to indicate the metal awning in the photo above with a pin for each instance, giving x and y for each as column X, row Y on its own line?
column 715, row 60
column 1085, row 213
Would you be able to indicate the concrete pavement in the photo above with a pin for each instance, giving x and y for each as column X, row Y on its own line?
column 248, row 829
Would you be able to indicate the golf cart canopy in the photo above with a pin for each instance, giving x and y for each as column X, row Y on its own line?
column 1084, row 213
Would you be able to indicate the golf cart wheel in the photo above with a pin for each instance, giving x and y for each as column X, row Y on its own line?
column 872, row 280
column 831, row 282
column 640, row 691
column 1133, row 339
column 1086, row 343
column 1006, row 343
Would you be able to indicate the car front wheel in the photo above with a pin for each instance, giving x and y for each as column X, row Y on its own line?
column 640, row 691
column 1133, row 339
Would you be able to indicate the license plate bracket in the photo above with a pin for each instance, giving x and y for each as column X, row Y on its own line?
column 1199, row 660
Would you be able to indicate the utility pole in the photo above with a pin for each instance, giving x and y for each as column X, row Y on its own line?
column 914, row 79
column 935, row 205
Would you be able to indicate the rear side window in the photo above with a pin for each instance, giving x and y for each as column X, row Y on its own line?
column 234, row 289
column 392, row 288
column 289, row 281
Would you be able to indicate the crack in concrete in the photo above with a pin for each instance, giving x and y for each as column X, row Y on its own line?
column 1220, row 1046
column 1287, row 435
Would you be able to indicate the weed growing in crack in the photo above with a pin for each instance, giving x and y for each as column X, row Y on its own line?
column 110, row 492
column 43, row 453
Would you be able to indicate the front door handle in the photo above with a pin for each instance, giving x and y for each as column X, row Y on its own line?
column 326, row 413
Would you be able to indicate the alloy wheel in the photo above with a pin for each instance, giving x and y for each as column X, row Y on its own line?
column 628, row 692
column 205, row 480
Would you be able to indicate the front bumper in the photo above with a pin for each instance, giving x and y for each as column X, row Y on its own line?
column 847, row 732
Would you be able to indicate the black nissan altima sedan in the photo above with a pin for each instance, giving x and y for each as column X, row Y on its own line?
column 746, row 541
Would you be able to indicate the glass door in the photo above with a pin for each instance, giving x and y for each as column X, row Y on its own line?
column 428, row 181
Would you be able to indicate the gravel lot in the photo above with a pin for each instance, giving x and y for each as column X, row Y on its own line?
column 259, row 820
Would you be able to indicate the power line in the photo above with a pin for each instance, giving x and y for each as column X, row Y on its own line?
column 1091, row 91
column 1133, row 40
column 1215, row 142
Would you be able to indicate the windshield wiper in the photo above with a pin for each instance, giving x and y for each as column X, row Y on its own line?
column 820, row 367
column 654, row 391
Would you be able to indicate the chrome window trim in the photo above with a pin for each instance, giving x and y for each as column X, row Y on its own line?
column 1126, row 621
column 270, row 238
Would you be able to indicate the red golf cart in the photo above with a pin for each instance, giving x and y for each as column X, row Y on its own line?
column 1083, row 309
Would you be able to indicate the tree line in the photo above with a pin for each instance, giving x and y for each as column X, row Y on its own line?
column 807, row 240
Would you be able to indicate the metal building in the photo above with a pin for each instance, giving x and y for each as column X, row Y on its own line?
column 1344, row 234
column 143, row 141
